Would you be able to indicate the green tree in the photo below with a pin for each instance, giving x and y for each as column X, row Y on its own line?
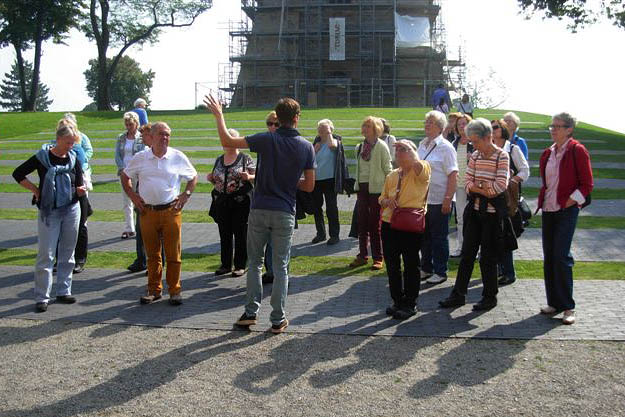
column 128, row 82
column 25, row 24
column 126, row 23
column 10, row 90
column 578, row 12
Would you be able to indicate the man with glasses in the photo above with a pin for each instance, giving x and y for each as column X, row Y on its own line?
column 283, row 156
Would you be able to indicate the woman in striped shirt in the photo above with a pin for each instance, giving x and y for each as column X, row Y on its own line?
column 485, row 181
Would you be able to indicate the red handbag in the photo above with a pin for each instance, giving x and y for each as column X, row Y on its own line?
column 407, row 219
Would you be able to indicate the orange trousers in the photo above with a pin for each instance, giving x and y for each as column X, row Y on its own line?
column 166, row 225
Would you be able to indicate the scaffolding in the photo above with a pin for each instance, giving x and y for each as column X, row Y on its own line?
column 281, row 48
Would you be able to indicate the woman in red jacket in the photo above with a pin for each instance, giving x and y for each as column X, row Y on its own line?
column 567, row 182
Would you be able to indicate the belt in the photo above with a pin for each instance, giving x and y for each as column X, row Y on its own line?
column 159, row 207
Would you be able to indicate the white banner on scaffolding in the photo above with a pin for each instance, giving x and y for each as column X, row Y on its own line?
column 337, row 39
column 411, row 31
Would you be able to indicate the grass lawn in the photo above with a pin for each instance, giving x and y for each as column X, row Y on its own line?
column 309, row 265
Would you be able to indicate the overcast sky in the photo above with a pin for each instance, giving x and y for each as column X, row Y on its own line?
column 545, row 68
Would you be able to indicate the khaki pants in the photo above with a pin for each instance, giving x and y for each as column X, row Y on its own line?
column 165, row 224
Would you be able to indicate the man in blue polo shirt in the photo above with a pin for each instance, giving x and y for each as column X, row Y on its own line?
column 285, row 156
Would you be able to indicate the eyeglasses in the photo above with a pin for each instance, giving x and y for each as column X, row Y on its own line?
column 276, row 124
column 495, row 127
column 554, row 127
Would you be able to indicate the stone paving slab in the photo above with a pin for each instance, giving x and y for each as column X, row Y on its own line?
column 203, row 238
column 323, row 305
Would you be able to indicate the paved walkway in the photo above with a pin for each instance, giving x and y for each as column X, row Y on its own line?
column 204, row 238
column 323, row 305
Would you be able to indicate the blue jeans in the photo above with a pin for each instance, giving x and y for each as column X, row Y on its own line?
column 557, row 230
column 60, row 229
column 266, row 226
column 435, row 246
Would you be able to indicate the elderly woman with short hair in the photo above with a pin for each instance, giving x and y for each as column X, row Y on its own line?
column 566, row 185
column 60, row 185
column 486, row 180
column 405, row 187
column 128, row 144
column 329, row 174
column 373, row 163
column 441, row 156
column 514, row 122
column 519, row 172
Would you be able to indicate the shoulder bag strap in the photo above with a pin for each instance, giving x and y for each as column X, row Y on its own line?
column 430, row 151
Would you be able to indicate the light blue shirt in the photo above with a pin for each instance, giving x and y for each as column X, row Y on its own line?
column 326, row 163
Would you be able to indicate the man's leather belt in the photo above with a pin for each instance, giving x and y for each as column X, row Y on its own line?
column 158, row 207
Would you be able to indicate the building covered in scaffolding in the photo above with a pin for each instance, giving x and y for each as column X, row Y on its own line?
column 337, row 53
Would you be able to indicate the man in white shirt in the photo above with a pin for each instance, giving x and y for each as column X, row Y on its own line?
column 160, row 170
column 441, row 156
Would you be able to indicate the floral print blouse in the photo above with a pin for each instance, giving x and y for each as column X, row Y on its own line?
column 227, row 178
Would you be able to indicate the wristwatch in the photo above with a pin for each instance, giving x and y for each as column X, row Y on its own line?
column 188, row 193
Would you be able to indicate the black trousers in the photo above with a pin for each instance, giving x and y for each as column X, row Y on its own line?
column 82, row 243
column 480, row 231
column 324, row 189
column 233, row 228
column 398, row 245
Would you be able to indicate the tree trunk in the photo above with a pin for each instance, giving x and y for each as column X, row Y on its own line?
column 21, row 74
column 103, row 101
column 34, row 82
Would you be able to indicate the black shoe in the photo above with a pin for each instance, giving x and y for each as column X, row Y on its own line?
column 333, row 240
column 405, row 313
column 279, row 328
column 454, row 300
column 318, row 239
column 136, row 267
column 78, row 268
column 41, row 307
column 65, row 299
column 392, row 309
column 267, row 278
column 485, row 304
column 223, row 271
column 354, row 235
column 504, row 280
column 246, row 320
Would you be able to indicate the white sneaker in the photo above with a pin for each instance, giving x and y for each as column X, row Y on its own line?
column 436, row 279
column 569, row 317
column 425, row 275
column 456, row 253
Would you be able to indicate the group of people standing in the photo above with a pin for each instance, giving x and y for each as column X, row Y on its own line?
column 471, row 163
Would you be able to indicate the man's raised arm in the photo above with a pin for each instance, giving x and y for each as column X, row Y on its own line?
column 226, row 139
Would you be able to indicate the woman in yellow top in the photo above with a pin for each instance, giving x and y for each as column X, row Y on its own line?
column 415, row 179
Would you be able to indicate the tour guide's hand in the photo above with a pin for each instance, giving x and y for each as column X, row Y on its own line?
column 182, row 200
column 446, row 209
column 213, row 105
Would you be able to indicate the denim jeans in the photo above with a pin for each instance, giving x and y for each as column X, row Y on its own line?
column 60, row 229
column 557, row 230
column 266, row 226
column 435, row 246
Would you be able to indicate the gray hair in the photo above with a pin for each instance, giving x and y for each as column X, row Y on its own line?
column 157, row 126
column 439, row 118
column 326, row 122
column 479, row 127
column 567, row 118
column 140, row 103
column 234, row 133
column 132, row 116
column 514, row 118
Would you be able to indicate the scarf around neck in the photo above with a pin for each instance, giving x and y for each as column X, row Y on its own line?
column 366, row 150
column 56, row 191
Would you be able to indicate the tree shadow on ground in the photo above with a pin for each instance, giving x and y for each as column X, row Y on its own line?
column 143, row 378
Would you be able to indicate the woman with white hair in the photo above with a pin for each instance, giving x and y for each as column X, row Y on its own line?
column 140, row 105
column 514, row 122
column 405, row 187
column 128, row 144
column 232, row 177
column 56, row 196
column 486, row 180
column 329, row 174
column 441, row 156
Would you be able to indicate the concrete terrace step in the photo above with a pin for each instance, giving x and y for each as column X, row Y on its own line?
column 204, row 238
